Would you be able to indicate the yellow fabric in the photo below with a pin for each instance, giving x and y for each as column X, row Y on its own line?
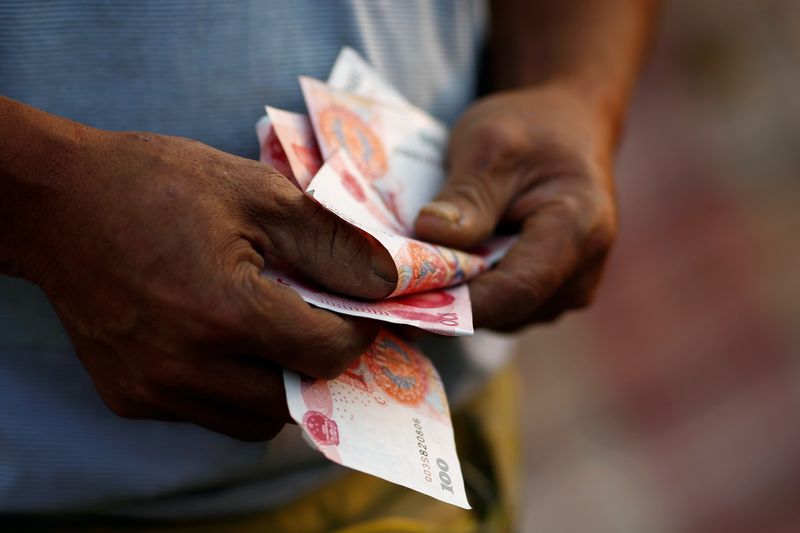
column 488, row 443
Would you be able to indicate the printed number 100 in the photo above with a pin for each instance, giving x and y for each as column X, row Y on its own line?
column 444, row 477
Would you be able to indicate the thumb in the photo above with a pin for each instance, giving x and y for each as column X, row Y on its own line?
column 324, row 247
column 469, row 206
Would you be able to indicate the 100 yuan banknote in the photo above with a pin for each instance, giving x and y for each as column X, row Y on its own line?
column 444, row 312
column 387, row 415
column 296, row 137
column 352, row 73
column 399, row 149
column 271, row 148
column 340, row 187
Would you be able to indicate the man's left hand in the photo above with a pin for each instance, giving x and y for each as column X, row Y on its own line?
column 540, row 160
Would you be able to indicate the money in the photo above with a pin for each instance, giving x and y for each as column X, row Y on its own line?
column 272, row 152
column 444, row 312
column 298, row 145
column 342, row 189
column 399, row 149
column 370, row 157
column 422, row 268
column 387, row 415
column 351, row 73
column 296, row 153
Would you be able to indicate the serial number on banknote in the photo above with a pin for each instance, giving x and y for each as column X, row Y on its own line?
column 445, row 482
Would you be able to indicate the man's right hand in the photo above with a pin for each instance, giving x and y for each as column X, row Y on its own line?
column 150, row 249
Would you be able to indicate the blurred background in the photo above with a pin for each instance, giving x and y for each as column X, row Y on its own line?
column 673, row 404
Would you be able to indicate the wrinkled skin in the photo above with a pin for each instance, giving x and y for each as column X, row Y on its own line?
column 539, row 160
column 151, row 251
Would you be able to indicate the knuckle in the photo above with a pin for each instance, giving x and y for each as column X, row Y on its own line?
column 591, row 214
column 187, row 142
column 600, row 242
column 314, row 353
column 523, row 294
column 475, row 189
column 338, row 353
column 257, row 433
column 571, row 206
column 569, row 213
column 341, row 247
column 335, row 369
column 299, row 230
column 586, row 288
column 605, row 222
column 349, row 241
column 225, row 323
column 332, row 365
column 124, row 393
column 270, row 200
column 500, row 141
column 284, row 199
column 221, row 320
column 605, row 232
column 141, row 396
column 125, row 406
column 142, row 137
column 168, row 374
column 145, row 395
column 534, row 287
column 336, row 241
column 580, row 300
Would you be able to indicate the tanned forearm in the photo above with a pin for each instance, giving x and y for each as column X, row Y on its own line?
column 597, row 47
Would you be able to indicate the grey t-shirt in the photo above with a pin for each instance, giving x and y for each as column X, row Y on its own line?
column 202, row 69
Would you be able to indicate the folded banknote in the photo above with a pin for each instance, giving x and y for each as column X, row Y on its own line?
column 387, row 415
column 367, row 155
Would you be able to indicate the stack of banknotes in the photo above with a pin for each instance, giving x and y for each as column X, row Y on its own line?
column 366, row 154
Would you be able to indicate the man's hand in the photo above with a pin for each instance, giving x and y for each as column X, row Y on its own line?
column 539, row 159
column 539, row 153
column 151, row 248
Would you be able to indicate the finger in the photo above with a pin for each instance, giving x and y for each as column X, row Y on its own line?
column 238, row 381
column 479, row 189
column 220, row 418
column 279, row 326
column 547, row 254
column 577, row 293
column 318, row 243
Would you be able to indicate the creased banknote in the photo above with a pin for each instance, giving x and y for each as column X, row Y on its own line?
column 387, row 415
column 399, row 149
column 342, row 189
column 301, row 153
column 444, row 312
column 272, row 152
column 353, row 74
column 369, row 156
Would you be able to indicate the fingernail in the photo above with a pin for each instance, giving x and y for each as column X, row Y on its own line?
column 442, row 210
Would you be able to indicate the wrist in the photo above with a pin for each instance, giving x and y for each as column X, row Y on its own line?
column 578, row 106
column 36, row 158
column 604, row 103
